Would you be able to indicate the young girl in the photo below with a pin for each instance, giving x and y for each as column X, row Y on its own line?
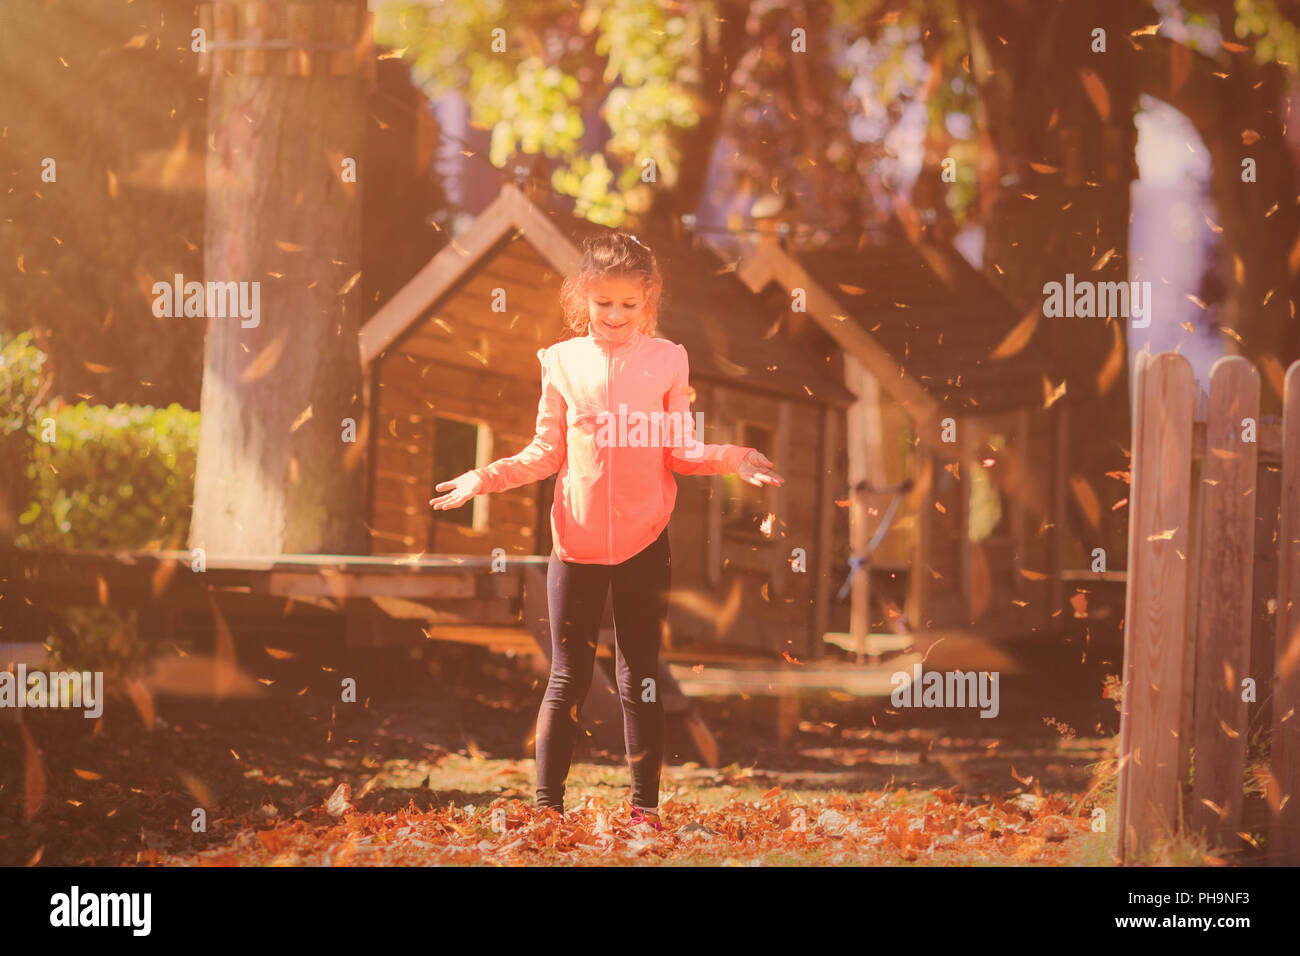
column 613, row 498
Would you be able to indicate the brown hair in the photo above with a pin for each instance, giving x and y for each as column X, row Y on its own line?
column 612, row 254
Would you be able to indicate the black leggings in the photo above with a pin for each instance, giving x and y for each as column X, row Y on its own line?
column 576, row 598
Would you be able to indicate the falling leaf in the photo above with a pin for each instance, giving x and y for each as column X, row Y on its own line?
column 1115, row 362
column 197, row 788
column 1033, row 575
column 1105, row 258
column 264, row 362
column 303, row 417
column 1087, row 499
column 176, row 159
column 1096, row 91
column 1052, row 393
column 1162, row 535
column 278, row 654
column 112, row 183
column 162, row 575
column 87, row 774
column 851, row 289
column 98, row 369
column 347, row 286
column 288, row 246
column 1018, row 337
column 1148, row 30
column 143, row 700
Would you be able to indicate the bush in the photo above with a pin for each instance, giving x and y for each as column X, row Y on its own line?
column 23, row 387
column 110, row 477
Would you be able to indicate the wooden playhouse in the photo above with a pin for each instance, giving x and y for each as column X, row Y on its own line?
column 951, row 396
column 454, row 383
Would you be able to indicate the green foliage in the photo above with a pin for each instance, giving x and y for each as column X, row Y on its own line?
column 119, row 477
column 23, row 384
column 907, row 42
column 1274, row 35
column 633, row 60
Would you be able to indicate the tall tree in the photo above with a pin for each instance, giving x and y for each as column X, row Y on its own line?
column 274, row 474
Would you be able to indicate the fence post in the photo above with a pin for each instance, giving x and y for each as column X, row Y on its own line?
column 1224, row 592
column 1155, row 634
column 1284, row 830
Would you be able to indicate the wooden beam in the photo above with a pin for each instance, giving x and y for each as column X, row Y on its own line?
column 1056, row 587
column 780, row 552
column 919, row 584
column 864, row 437
column 1224, row 540
column 826, row 515
column 1155, row 612
column 713, row 561
column 1284, row 819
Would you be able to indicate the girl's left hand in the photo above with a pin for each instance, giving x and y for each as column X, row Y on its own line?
column 756, row 469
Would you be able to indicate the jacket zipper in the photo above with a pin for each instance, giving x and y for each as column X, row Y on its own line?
column 609, row 398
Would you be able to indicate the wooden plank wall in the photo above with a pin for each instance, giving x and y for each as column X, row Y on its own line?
column 1284, row 804
column 765, row 619
column 1223, row 596
column 465, row 361
column 1156, row 637
column 1209, row 542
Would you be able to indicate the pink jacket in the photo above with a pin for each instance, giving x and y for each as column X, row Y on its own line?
column 615, row 491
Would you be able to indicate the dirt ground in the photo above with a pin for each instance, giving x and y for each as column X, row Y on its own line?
column 433, row 763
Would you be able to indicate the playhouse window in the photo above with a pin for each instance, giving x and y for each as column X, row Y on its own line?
column 744, row 506
column 987, row 517
column 455, row 451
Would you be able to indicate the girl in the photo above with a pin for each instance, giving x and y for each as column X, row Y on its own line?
column 614, row 496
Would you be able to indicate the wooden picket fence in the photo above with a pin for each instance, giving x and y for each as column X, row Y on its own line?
column 1204, row 611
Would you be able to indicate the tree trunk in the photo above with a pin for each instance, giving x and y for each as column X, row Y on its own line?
column 275, row 473
column 1235, row 107
column 1046, row 99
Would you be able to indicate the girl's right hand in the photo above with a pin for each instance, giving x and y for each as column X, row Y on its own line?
column 459, row 490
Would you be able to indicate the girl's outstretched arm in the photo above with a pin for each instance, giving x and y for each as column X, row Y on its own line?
column 545, row 453
column 694, row 457
column 540, row 457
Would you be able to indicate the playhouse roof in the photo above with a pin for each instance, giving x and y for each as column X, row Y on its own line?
column 930, row 312
column 706, row 308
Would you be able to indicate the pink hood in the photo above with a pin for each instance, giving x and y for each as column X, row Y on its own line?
column 615, row 491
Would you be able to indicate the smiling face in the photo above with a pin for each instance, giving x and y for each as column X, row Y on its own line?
column 616, row 307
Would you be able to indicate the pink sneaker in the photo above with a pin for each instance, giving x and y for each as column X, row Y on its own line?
column 646, row 818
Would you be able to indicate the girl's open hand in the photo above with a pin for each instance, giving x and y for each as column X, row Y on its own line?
column 459, row 490
column 756, row 469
